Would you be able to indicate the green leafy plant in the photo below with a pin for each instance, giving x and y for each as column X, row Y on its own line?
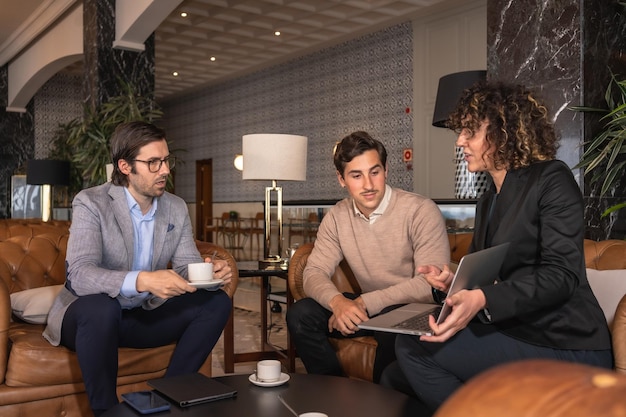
column 85, row 141
column 604, row 158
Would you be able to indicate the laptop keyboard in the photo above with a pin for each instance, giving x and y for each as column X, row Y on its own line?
column 419, row 321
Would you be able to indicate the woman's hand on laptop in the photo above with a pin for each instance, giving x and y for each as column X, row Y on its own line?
column 465, row 305
column 438, row 278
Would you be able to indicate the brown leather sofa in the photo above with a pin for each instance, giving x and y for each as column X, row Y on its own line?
column 37, row 378
column 356, row 355
column 31, row 227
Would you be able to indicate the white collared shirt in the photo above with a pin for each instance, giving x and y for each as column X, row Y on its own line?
column 378, row 211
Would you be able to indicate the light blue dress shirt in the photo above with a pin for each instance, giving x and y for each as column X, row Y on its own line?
column 143, row 245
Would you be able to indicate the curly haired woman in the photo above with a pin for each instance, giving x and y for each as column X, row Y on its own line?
column 542, row 306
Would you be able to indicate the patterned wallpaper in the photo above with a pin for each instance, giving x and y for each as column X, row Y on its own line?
column 57, row 102
column 363, row 84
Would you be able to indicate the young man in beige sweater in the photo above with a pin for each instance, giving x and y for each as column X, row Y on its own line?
column 384, row 234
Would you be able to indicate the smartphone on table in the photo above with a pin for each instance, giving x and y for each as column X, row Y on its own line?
column 146, row 402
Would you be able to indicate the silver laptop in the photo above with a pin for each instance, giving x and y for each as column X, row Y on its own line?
column 475, row 269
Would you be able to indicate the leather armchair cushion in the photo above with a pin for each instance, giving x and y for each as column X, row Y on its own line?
column 35, row 362
column 356, row 356
column 608, row 286
column 619, row 336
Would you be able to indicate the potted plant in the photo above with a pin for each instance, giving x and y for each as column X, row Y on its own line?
column 604, row 159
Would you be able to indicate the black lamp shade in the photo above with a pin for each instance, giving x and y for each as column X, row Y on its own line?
column 47, row 172
column 449, row 92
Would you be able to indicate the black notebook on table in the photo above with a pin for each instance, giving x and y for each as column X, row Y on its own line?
column 191, row 389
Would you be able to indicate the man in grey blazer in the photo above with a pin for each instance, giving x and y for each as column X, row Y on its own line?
column 119, row 291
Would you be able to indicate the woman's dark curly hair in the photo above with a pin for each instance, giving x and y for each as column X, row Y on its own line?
column 519, row 125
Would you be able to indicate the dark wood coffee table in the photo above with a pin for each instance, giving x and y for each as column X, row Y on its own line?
column 335, row 396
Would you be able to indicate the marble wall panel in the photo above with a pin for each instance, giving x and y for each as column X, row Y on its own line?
column 538, row 43
column 563, row 49
column 104, row 66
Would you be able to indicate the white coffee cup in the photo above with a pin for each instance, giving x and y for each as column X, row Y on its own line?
column 201, row 271
column 268, row 370
column 313, row 414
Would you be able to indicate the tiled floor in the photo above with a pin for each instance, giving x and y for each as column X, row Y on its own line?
column 248, row 329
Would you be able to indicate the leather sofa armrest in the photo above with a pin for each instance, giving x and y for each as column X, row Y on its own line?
column 5, row 321
column 619, row 336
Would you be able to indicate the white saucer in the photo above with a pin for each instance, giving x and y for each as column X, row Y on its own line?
column 207, row 285
column 283, row 378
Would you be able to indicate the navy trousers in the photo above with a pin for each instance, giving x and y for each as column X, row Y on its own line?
column 435, row 370
column 95, row 326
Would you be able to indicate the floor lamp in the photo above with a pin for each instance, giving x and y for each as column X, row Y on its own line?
column 47, row 173
column 451, row 86
column 274, row 157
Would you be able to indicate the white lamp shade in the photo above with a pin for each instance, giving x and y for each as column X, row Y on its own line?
column 273, row 156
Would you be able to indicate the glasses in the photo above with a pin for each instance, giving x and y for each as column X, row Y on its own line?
column 154, row 165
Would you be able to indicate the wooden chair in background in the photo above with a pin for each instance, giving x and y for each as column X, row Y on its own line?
column 211, row 228
column 215, row 225
column 307, row 228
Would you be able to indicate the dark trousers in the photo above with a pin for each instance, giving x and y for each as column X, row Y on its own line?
column 95, row 326
column 307, row 321
column 435, row 370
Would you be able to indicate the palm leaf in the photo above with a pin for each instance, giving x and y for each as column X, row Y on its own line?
column 614, row 208
column 604, row 157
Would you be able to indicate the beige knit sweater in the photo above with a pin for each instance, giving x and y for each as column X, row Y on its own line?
column 383, row 255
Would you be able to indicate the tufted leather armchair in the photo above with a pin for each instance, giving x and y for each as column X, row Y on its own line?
column 37, row 378
column 356, row 355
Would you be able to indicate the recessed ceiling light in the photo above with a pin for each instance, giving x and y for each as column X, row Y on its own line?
column 277, row 33
column 175, row 73
column 213, row 58
column 183, row 14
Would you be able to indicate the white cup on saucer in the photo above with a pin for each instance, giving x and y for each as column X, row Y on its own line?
column 200, row 272
column 268, row 370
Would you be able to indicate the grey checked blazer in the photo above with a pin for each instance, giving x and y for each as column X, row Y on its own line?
column 100, row 247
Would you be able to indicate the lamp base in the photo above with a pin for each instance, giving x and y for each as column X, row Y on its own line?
column 270, row 263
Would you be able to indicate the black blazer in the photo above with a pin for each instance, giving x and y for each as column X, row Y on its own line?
column 544, row 297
